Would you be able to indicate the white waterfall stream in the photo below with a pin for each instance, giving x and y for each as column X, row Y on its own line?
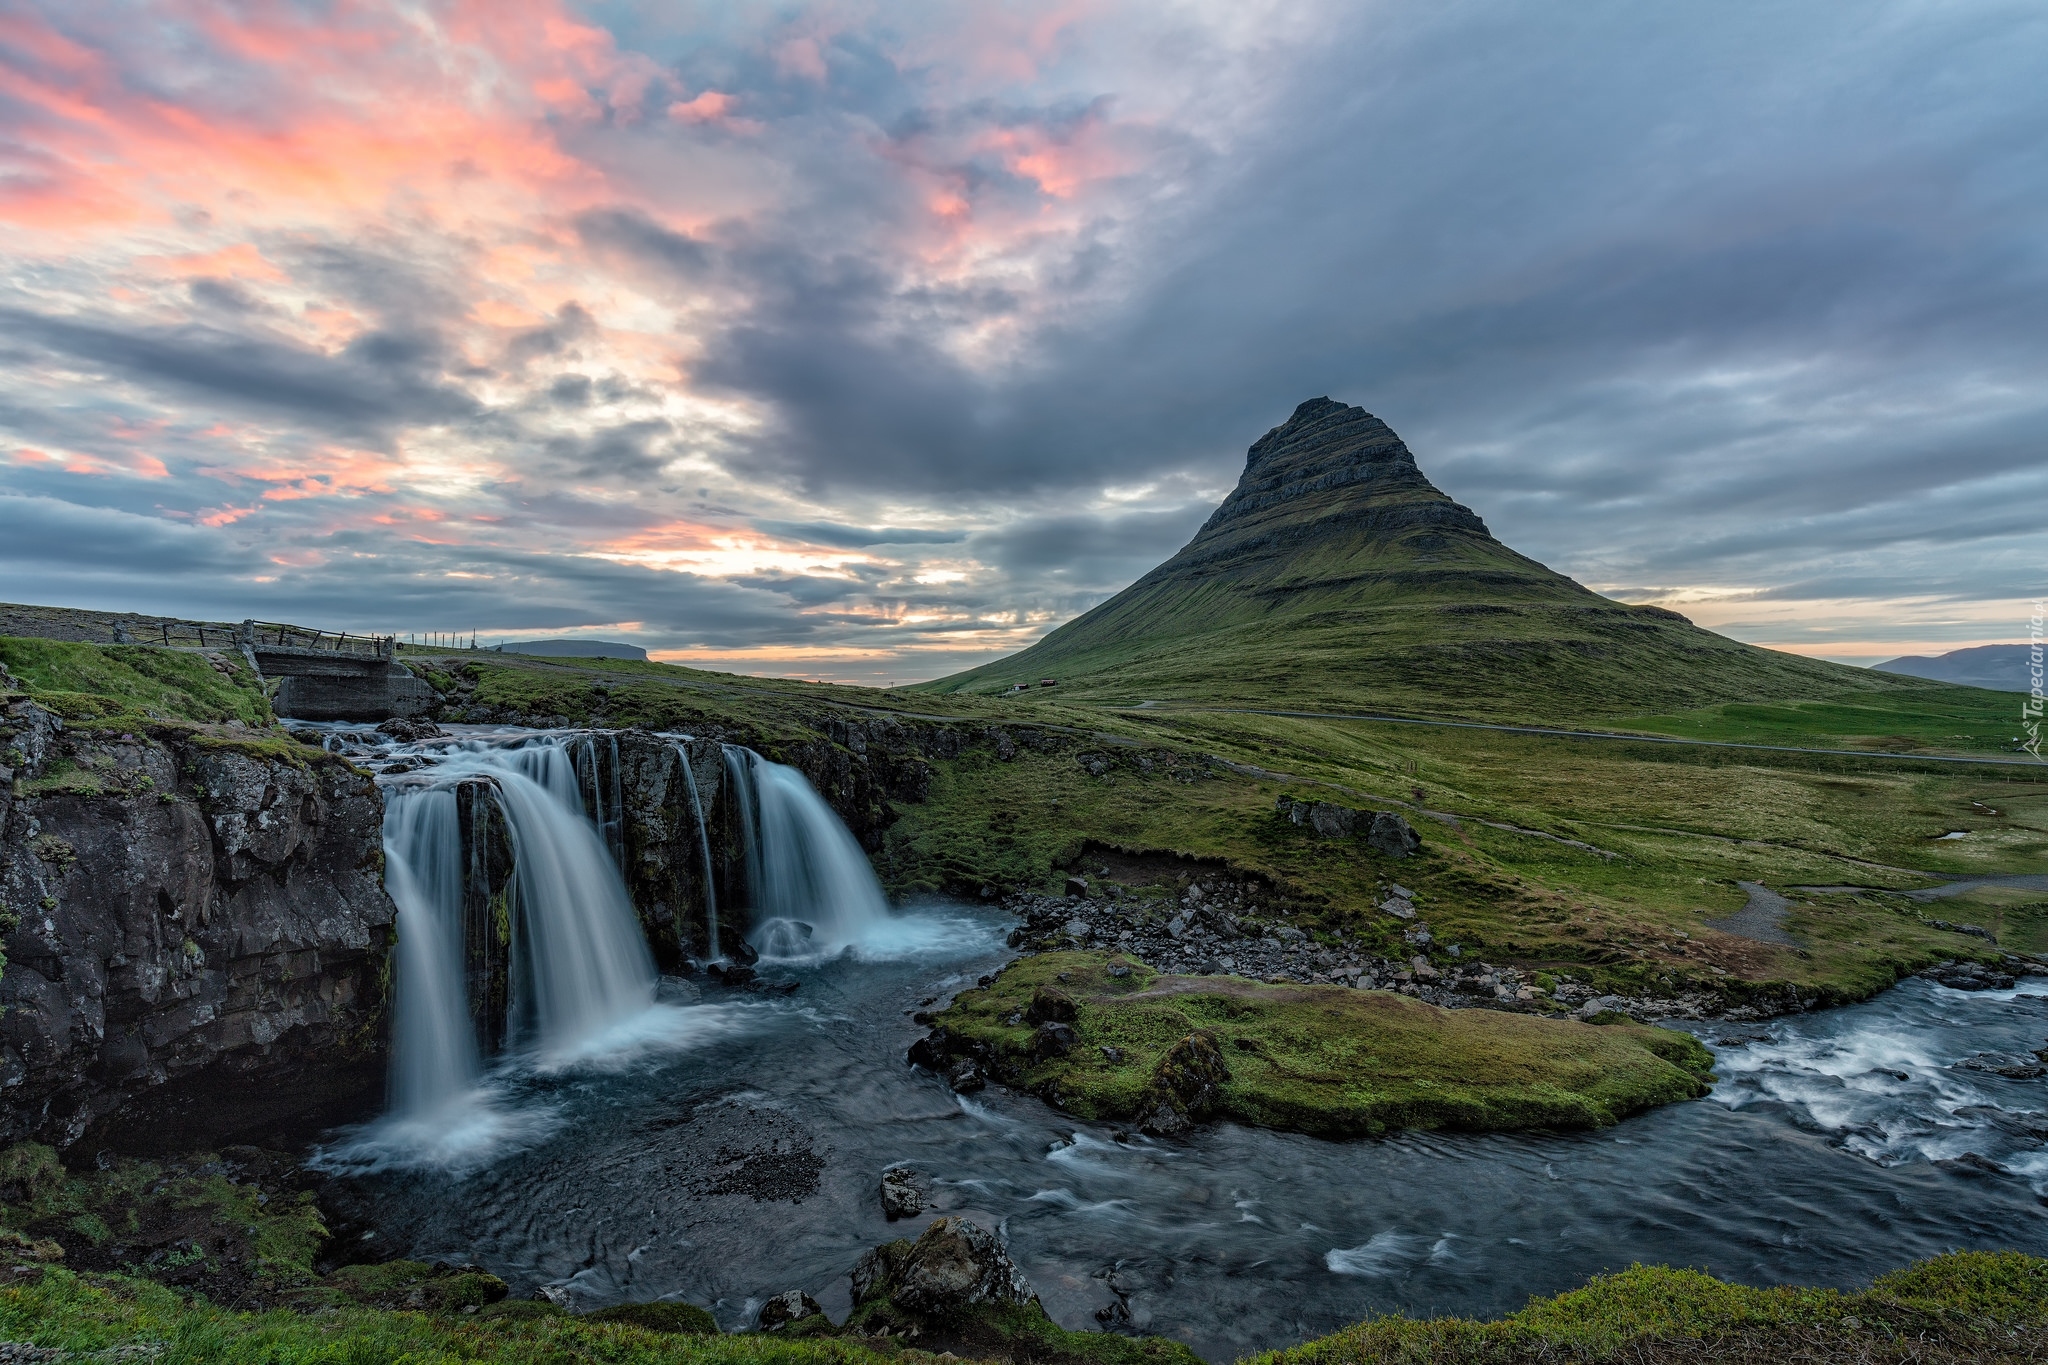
column 712, row 947
column 580, row 962
column 435, row 1053
column 814, row 894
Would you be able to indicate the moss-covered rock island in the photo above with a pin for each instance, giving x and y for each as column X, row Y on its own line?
column 1106, row 1037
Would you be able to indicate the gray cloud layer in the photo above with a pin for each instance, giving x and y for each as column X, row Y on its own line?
column 1742, row 297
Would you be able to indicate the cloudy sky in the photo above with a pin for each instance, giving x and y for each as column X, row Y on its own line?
column 868, row 341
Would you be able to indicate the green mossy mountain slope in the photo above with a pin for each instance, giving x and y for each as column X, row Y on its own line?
column 1337, row 575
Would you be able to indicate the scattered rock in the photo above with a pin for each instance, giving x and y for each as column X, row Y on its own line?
column 1973, row 1163
column 1186, row 1086
column 1970, row 976
column 790, row 1306
column 732, row 973
column 1077, row 886
column 966, row 1076
column 954, row 1264
column 901, row 1197
column 1393, row 836
column 1050, row 1005
column 2011, row 1065
column 411, row 731
column 1054, row 1040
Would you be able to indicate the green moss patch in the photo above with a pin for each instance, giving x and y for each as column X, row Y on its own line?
column 1314, row 1059
column 1966, row 1306
column 108, row 683
column 234, row 1225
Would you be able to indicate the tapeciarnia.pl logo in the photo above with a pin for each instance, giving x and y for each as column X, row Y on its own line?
column 2030, row 709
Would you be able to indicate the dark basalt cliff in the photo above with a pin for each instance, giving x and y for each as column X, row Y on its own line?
column 199, row 929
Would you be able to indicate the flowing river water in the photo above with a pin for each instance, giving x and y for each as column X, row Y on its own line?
column 721, row 1146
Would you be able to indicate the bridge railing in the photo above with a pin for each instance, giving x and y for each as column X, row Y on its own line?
column 280, row 635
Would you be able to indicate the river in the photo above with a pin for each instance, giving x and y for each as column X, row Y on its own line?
column 723, row 1146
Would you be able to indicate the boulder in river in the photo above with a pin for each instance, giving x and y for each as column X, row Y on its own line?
column 901, row 1197
column 2014, row 1066
column 1970, row 976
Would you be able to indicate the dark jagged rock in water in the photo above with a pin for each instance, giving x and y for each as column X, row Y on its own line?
column 901, row 1197
column 953, row 1265
column 200, row 931
column 2011, row 1065
column 1970, row 976
column 1336, row 575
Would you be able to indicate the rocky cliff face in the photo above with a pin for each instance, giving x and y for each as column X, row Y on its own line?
column 198, row 935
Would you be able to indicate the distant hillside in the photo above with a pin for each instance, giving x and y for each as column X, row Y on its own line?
column 2001, row 668
column 1336, row 575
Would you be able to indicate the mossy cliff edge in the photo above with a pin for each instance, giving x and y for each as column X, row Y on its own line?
column 1107, row 1038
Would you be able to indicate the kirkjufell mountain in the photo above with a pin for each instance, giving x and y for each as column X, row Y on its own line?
column 1337, row 574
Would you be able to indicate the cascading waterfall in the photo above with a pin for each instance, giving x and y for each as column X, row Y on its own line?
column 711, row 945
column 813, row 892
column 579, row 961
column 434, row 1052
column 606, row 800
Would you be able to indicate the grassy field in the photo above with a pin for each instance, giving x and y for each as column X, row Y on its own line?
column 1597, row 856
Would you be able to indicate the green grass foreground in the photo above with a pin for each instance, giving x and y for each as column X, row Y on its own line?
column 1966, row 1306
column 1326, row 1060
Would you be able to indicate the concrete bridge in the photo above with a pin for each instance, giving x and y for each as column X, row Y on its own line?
column 325, row 676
